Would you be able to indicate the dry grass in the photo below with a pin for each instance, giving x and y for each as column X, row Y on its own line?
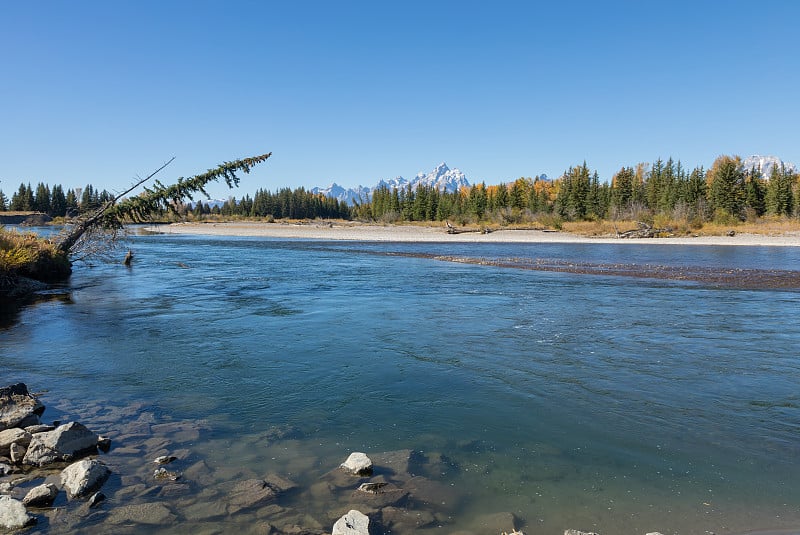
column 763, row 226
column 28, row 255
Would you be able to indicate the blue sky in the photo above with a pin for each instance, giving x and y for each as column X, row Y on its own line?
column 352, row 92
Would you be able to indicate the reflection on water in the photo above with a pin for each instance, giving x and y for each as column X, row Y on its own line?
column 601, row 403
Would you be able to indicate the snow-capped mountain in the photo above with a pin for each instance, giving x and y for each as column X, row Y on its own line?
column 442, row 177
column 350, row 195
column 766, row 163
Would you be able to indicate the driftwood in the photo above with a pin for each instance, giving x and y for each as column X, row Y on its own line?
column 454, row 230
column 644, row 231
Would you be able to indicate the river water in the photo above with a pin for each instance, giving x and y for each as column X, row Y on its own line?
column 603, row 403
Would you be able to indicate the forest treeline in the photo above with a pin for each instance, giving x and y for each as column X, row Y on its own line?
column 725, row 193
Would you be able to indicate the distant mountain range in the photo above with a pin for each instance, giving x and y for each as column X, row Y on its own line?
column 442, row 178
column 766, row 163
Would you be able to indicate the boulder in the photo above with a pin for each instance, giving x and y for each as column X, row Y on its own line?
column 16, row 453
column 15, row 435
column 13, row 514
column 353, row 523
column 39, row 428
column 65, row 443
column 18, row 407
column 5, row 469
column 358, row 464
column 41, row 496
column 84, row 477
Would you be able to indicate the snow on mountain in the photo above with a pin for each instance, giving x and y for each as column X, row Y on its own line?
column 350, row 195
column 442, row 177
column 766, row 163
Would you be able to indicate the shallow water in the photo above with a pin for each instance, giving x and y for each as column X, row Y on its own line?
column 595, row 402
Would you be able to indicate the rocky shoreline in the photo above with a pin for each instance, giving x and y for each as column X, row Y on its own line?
column 146, row 478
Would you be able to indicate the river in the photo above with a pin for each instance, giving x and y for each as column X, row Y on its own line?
column 605, row 403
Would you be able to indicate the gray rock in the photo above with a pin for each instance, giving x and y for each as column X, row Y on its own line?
column 18, row 407
column 13, row 514
column 84, row 477
column 39, row 428
column 16, row 452
column 358, row 464
column 65, row 443
column 578, row 532
column 5, row 469
column 15, row 435
column 353, row 523
column 96, row 498
column 41, row 496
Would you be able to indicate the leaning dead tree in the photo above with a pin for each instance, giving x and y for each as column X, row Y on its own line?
column 113, row 214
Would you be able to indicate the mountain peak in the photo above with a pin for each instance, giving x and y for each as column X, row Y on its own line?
column 765, row 164
column 442, row 178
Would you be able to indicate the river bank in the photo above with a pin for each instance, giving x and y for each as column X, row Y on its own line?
column 348, row 231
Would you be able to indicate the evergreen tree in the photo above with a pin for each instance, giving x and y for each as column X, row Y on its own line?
column 58, row 202
column 87, row 198
column 72, row 202
column 573, row 194
column 3, row 202
column 755, row 192
column 780, row 195
column 41, row 200
column 726, row 190
column 622, row 188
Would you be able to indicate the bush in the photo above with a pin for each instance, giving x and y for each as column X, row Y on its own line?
column 28, row 255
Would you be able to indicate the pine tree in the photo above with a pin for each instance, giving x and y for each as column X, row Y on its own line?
column 72, row 202
column 3, row 202
column 58, row 202
column 755, row 192
column 780, row 195
column 41, row 200
column 726, row 192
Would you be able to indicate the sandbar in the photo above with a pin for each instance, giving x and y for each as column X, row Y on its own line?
column 413, row 233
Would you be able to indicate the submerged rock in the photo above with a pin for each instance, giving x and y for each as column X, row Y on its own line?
column 13, row 514
column 353, row 523
column 143, row 513
column 578, row 532
column 358, row 464
column 250, row 493
column 18, row 407
column 83, row 477
column 497, row 523
column 65, row 443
